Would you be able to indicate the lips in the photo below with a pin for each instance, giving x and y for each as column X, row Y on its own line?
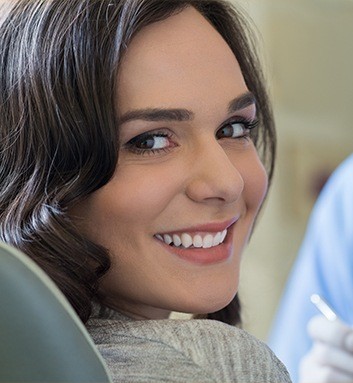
column 204, row 244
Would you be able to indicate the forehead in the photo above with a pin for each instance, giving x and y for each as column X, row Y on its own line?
column 177, row 61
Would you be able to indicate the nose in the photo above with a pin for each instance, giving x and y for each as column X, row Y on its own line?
column 214, row 176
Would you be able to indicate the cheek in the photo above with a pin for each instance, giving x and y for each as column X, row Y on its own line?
column 255, row 180
column 143, row 192
column 256, row 185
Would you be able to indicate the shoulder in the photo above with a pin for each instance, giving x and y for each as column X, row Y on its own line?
column 239, row 354
column 195, row 350
column 333, row 211
column 339, row 184
column 345, row 170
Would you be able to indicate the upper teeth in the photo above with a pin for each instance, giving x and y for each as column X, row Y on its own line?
column 186, row 240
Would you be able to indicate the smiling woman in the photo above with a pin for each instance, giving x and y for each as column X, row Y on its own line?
column 198, row 138
column 134, row 141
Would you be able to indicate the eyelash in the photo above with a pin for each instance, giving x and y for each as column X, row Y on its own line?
column 131, row 145
column 249, row 125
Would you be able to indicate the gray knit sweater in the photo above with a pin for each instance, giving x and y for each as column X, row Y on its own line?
column 197, row 351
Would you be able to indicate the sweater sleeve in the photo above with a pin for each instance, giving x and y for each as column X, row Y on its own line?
column 185, row 351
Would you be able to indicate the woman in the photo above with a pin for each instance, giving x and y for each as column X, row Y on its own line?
column 130, row 141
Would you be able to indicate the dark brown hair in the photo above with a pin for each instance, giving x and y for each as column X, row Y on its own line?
column 58, row 127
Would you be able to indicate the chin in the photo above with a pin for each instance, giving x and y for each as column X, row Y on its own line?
column 214, row 307
column 208, row 304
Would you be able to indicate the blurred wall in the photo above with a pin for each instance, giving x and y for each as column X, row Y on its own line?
column 309, row 60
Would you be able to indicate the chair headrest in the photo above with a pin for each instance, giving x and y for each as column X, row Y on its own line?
column 41, row 337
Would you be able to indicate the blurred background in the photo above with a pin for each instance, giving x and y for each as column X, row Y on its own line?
column 308, row 53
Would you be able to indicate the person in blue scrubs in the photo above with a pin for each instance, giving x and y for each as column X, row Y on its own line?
column 324, row 266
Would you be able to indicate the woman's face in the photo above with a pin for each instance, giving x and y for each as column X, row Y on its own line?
column 187, row 172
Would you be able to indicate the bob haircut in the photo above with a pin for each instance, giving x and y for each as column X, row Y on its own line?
column 59, row 126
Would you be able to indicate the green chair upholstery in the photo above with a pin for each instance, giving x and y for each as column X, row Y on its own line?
column 41, row 337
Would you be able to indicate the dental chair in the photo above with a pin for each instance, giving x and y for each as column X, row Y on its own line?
column 41, row 337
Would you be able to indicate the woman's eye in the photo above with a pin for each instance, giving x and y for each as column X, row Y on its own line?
column 233, row 130
column 149, row 142
column 152, row 142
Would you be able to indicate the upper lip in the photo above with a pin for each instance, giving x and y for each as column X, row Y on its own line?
column 212, row 227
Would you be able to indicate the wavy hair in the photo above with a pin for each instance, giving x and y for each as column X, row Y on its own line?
column 58, row 122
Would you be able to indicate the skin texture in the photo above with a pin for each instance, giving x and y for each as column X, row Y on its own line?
column 198, row 178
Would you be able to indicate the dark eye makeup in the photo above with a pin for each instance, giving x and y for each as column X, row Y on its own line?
column 161, row 140
column 151, row 142
column 236, row 129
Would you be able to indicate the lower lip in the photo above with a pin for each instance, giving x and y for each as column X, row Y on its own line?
column 202, row 256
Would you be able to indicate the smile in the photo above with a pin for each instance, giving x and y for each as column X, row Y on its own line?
column 203, row 244
column 188, row 240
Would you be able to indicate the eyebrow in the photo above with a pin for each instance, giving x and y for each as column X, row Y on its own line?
column 242, row 102
column 160, row 114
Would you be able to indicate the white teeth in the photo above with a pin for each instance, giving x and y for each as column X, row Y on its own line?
column 223, row 235
column 167, row 239
column 217, row 239
column 197, row 241
column 186, row 240
column 176, row 240
column 207, row 241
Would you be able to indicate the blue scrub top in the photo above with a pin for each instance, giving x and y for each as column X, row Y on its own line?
column 324, row 266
